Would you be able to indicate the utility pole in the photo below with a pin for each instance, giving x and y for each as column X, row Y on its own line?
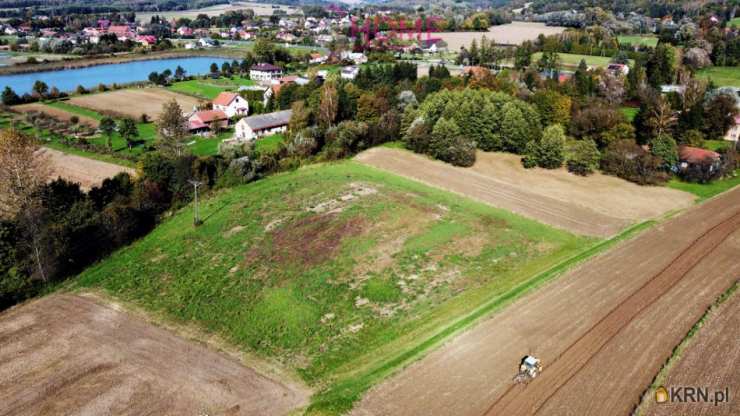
column 196, row 217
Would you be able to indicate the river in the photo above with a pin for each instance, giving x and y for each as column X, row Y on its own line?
column 69, row 79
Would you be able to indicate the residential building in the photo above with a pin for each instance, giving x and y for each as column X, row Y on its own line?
column 265, row 72
column 253, row 127
column 733, row 134
column 350, row 72
column 693, row 156
column 207, row 120
column 232, row 104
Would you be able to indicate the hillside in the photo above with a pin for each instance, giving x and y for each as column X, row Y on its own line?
column 331, row 270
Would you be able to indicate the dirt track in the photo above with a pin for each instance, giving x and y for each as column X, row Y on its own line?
column 86, row 172
column 718, row 343
column 602, row 331
column 555, row 197
column 73, row 355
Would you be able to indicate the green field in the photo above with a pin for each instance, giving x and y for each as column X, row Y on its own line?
column 629, row 112
column 571, row 60
column 340, row 272
column 209, row 88
column 635, row 40
column 269, row 143
column 723, row 76
column 735, row 22
column 706, row 190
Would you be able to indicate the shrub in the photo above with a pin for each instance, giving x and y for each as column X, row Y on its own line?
column 583, row 157
column 666, row 149
column 627, row 160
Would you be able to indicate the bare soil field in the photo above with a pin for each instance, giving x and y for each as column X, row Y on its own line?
column 56, row 113
column 260, row 9
column 76, row 355
column 509, row 34
column 86, row 172
column 555, row 197
column 134, row 102
column 710, row 361
column 602, row 331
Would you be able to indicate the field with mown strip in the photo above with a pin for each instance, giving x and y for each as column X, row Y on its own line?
column 723, row 76
column 331, row 269
column 573, row 60
column 635, row 40
column 209, row 88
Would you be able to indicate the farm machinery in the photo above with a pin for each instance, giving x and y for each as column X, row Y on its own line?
column 529, row 368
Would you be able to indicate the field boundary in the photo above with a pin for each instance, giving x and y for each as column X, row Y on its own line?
column 327, row 401
column 644, row 403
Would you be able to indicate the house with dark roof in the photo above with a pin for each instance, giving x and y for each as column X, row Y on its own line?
column 253, row 127
column 265, row 72
column 232, row 104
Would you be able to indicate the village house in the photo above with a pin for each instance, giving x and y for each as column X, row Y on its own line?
column 618, row 69
column 122, row 32
column 253, row 127
column 185, row 31
column 147, row 40
column 690, row 157
column 232, row 104
column 265, row 72
column 734, row 132
column 202, row 122
column 350, row 72
column 317, row 58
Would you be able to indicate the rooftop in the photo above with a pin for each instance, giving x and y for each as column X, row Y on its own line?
column 269, row 120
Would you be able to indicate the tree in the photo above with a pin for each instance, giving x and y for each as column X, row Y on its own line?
column 664, row 147
column 300, row 118
column 214, row 68
column 171, row 130
column 179, row 72
column 128, row 130
column 328, row 105
column 448, row 145
column 719, row 116
column 40, row 88
column 548, row 151
column 107, row 127
column 10, row 97
column 582, row 157
column 554, row 108
column 24, row 170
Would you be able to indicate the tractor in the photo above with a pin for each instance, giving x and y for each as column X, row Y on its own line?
column 529, row 368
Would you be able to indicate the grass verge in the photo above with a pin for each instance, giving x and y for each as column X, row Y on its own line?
column 706, row 190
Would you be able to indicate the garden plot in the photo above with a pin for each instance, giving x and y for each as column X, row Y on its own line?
column 134, row 102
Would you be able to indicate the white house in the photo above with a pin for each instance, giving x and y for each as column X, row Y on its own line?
column 733, row 134
column 356, row 57
column 232, row 104
column 265, row 72
column 350, row 72
column 250, row 128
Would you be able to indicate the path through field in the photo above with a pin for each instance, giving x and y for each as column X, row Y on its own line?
column 597, row 205
column 603, row 330
column 75, row 355
column 86, row 172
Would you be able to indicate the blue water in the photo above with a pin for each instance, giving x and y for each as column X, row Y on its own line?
column 69, row 79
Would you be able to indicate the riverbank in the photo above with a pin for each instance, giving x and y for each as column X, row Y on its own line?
column 85, row 62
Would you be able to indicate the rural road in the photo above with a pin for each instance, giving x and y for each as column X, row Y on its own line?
column 86, row 172
column 67, row 354
column 603, row 330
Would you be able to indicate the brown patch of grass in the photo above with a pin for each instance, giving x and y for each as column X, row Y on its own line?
column 313, row 239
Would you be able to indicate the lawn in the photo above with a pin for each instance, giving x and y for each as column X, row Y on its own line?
column 735, row 21
column 706, row 190
column 208, row 146
column 723, row 76
column 269, row 144
column 573, row 60
column 338, row 271
column 635, row 40
column 629, row 112
column 209, row 88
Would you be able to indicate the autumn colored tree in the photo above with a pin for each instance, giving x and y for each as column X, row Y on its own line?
column 172, row 130
column 24, row 170
column 328, row 105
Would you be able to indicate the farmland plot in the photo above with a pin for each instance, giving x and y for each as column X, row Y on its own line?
column 134, row 102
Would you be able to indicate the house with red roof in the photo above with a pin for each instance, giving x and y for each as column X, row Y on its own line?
column 690, row 157
column 147, row 40
column 231, row 104
column 207, row 120
column 122, row 32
